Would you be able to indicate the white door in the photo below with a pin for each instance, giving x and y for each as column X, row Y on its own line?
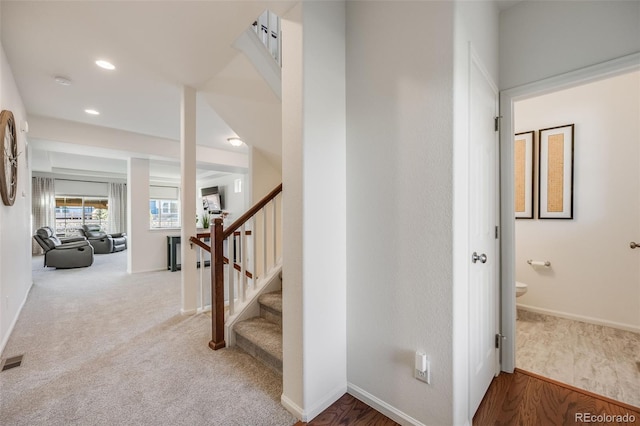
column 484, row 253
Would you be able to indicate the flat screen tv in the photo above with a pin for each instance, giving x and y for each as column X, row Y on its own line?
column 212, row 199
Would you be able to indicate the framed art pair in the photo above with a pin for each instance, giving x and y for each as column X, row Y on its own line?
column 555, row 173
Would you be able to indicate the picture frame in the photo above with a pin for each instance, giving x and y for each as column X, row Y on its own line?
column 523, row 147
column 555, row 176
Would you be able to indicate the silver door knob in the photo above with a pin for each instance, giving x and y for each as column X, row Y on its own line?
column 634, row 245
column 475, row 257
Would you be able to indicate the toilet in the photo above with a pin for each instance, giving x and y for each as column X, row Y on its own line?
column 521, row 288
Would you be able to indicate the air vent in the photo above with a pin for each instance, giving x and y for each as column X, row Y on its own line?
column 638, row 365
column 12, row 362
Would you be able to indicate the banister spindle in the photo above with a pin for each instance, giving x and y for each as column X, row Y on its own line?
column 231, row 246
column 264, row 241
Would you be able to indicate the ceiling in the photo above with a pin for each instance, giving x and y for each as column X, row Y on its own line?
column 157, row 48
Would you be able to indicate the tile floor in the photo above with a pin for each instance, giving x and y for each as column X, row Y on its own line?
column 599, row 359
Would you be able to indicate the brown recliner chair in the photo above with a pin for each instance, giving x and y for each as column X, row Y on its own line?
column 73, row 252
column 102, row 242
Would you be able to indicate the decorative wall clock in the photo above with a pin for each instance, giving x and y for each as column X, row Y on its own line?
column 9, row 160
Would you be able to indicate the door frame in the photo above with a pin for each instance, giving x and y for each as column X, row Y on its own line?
column 507, row 211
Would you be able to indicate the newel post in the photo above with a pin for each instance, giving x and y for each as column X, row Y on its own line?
column 217, row 286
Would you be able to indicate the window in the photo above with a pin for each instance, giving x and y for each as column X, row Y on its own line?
column 73, row 212
column 164, row 213
column 164, row 207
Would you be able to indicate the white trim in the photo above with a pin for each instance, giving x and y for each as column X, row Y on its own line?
column 326, row 401
column 388, row 410
column 15, row 320
column 293, row 408
column 507, row 98
column 582, row 318
column 186, row 312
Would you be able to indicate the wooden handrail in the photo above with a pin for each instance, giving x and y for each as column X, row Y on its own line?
column 200, row 244
column 204, row 246
column 196, row 240
column 218, row 235
column 252, row 211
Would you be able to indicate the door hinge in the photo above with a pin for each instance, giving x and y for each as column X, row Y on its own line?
column 496, row 123
column 499, row 339
column 497, row 232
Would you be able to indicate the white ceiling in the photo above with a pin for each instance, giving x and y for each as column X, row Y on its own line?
column 157, row 48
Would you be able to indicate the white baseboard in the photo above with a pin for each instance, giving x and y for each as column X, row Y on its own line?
column 310, row 414
column 186, row 312
column 386, row 409
column 5, row 340
column 326, row 402
column 590, row 320
column 293, row 408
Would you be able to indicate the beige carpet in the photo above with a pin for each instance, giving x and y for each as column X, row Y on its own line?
column 102, row 347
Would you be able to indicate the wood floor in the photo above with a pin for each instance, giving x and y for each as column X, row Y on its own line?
column 524, row 399
column 518, row 399
column 349, row 411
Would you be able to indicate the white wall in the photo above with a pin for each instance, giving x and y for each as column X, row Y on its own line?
column 147, row 248
column 314, row 198
column 15, row 221
column 264, row 175
column 234, row 202
column 594, row 273
column 399, row 208
column 539, row 39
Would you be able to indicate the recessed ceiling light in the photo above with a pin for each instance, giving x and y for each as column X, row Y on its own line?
column 91, row 112
column 63, row 81
column 105, row 64
column 235, row 141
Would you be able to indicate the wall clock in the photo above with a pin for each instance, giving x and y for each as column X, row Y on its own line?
column 9, row 160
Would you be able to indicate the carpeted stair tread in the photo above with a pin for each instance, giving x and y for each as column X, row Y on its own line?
column 264, row 335
column 272, row 301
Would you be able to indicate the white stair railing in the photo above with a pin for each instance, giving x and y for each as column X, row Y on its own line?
column 267, row 28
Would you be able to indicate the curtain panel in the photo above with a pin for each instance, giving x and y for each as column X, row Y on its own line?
column 117, row 207
column 43, row 206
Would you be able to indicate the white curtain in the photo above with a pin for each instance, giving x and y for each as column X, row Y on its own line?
column 117, row 207
column 43, row 206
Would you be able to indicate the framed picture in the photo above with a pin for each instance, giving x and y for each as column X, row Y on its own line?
column 555, row 195
column 523, row 170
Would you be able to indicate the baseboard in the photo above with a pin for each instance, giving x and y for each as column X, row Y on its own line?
column 590, row 320
column 326, row 402
column 186, row 312
column 329, row 398
column 293, row 408
column 386, row 409
column 5, row 340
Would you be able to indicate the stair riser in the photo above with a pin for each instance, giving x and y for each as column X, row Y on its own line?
column 271, row 315
column 258, row 353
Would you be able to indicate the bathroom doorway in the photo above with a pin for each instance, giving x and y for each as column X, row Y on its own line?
column 583, row 311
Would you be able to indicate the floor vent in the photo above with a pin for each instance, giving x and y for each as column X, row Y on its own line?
column 12, row 362
column 638, row 365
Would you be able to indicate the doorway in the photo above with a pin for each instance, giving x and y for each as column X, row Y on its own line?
column 512, row 261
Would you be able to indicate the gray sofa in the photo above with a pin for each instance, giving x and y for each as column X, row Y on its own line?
column 73, row 252
column 102, row 242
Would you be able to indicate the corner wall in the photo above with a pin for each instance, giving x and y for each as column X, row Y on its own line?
column 15, row 221
column 400, row 206
column 314, row 207
column 594, row 274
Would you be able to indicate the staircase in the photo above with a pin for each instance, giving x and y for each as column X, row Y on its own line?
column 261, row 336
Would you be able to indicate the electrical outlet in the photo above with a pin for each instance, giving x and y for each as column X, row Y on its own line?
column 422, row 369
